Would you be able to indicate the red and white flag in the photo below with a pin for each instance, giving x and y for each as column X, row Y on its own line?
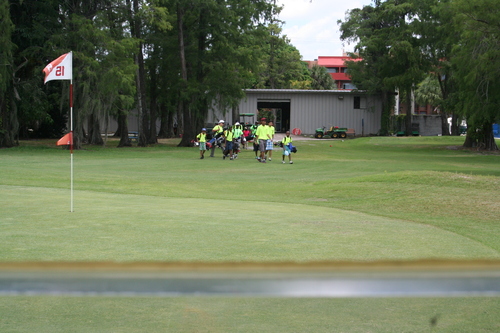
column 60, row 69
column 66, row 140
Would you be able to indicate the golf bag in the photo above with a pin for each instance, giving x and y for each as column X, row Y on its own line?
column 217, row 141
column 236, row 147
column 293, row 149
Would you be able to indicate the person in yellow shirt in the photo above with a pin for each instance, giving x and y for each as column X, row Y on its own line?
column 270, row 143
column 202, row 140
column 286, row 143
column 238, row 138
column 229, row 137
column 262, row 134
column 216, row 132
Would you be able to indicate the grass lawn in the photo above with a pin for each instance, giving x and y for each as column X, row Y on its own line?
column 362, row 200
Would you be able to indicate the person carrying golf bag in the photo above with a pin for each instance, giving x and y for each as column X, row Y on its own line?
column 216, row 134
column 228, row 136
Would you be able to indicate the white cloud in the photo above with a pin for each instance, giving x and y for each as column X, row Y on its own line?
column 312, row 25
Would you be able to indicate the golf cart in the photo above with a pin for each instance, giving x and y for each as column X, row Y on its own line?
column 334, row 132
column 244, row 121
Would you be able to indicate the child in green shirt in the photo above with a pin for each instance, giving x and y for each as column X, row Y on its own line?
column 228, row 136
column 287, row 151
column 202, row 140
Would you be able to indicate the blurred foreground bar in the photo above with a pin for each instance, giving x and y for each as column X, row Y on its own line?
column 433, row 278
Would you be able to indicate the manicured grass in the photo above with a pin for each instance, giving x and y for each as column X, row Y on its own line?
column 105, row 314
column 125, row 227
column 363, row 199
column 392, row 192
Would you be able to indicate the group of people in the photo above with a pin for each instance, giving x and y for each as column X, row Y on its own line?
column 232, row 138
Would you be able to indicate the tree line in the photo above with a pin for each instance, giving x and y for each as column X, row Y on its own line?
column 169, row 60
column 173, row 60
column 445, row 51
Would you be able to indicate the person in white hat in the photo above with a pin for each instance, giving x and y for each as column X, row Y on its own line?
column 216, row 132
column 238, row 138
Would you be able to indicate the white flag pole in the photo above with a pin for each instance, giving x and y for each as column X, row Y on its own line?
column 62, row 69
column 72, row 137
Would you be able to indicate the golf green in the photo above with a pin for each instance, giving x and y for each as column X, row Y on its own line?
column 121, row 227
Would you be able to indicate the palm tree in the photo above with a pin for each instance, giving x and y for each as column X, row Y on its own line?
column 321, row 79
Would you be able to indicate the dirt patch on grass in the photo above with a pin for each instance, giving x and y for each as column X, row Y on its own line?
column 474, row 150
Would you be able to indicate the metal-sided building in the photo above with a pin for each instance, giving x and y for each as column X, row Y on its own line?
column 310, row 109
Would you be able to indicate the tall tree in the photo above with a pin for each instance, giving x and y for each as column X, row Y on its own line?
column 40, row 111
column 8, row 111
column 437, row 35
column 477, row 67
column 142, row 110
column 281, row 66
column 389, row 50
column 216, row 55
column 364, row 27
column 321, row 79
column 102, row 65
column 428, row 92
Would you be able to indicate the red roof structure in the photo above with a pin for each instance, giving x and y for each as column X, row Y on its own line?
column 338, row 69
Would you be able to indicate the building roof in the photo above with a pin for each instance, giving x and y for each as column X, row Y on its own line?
column 302, row 91
column 334, row 61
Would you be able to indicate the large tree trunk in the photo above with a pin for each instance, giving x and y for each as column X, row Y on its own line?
column 445, row 127
column 153, row 108
column 123, row 126
column 166, row 126
column 165, row 122
column 118, row 132
column 144, row 130
column 140, row 108
column 481, row 138
column 79, row 133
column 386, row 113
column 143, row 121
column 409, row 116
column 455, row 126
column 10, row 124
column 153, row 136
column 235, row 114
column 94, row 136
column 183, row 104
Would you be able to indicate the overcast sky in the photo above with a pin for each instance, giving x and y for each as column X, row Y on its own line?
column 312, row 25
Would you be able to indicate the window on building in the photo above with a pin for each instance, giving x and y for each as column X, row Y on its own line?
column 348, row 86
column 357, row 102
column 332, row 69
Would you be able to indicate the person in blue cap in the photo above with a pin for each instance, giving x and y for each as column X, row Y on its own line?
column 202, row 140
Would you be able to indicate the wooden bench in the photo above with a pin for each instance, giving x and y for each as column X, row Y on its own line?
column 350, row 132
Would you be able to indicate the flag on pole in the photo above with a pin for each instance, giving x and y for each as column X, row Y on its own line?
column 66, row 140
column 60, row 69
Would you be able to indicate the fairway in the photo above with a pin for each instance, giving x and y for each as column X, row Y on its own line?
column 363, row 200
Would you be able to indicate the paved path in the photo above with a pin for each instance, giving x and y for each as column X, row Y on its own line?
column 279, row 137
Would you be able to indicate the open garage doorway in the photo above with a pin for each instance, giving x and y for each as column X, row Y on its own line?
column 280, row 109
